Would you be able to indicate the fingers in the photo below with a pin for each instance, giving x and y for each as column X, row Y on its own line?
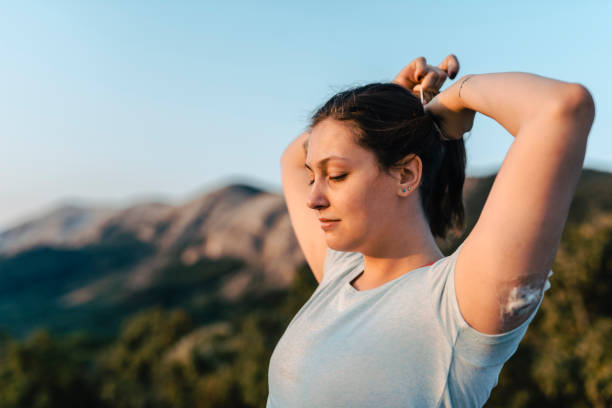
column 420, row 69
column 412, row 73
column 433, row 80
column 429, row 81
column 450, row 65
column 418, row 75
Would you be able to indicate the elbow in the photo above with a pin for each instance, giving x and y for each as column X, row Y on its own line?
column 577, row 103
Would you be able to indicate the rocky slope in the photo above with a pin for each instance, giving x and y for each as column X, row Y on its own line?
column 235, row 221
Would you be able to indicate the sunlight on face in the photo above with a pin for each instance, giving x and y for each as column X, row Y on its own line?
column 346, row 185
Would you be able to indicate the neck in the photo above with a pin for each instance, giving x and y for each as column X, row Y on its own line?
column 403, row 250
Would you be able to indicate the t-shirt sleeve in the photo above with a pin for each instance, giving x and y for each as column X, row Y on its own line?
column 337, row 262
column 475, row 347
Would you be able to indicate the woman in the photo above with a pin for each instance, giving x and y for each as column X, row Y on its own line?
column 394, row 323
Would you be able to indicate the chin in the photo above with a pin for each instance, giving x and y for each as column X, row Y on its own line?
column 338, row 245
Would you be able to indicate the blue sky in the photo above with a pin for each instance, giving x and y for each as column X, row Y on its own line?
column 121, row 101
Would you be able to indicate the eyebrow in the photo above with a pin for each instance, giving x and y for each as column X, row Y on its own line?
column 324, row 161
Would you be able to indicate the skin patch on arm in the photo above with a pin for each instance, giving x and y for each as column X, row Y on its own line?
column 522, row 299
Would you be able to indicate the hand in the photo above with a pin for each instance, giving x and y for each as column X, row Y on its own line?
column 418, row 75
column 450, row 114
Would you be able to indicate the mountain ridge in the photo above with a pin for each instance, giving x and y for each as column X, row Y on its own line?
column 84, row 262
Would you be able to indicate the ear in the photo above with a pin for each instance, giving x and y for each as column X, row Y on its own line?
column 408, row 174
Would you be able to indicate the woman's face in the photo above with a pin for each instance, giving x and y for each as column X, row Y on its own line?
column 346, row 185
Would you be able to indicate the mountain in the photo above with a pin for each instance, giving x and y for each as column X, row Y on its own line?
column 63, row 226
column 235, row 221
column 74, row 263
column 87, row 268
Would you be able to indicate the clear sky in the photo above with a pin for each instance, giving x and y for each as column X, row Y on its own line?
column 120, row 101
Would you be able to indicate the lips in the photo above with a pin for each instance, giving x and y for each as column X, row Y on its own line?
column 327, row 223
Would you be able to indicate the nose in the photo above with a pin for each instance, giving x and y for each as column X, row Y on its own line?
column 316, row 199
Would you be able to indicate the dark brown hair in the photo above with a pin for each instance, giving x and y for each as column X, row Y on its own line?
column 390, row 121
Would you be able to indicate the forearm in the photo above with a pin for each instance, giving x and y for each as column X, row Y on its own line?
column 295, row 154
column 515, row 98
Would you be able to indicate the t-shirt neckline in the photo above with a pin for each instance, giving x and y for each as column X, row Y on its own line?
column 351, row 289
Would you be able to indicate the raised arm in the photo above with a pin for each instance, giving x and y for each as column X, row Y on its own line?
column 306, row 226
column 504, row 262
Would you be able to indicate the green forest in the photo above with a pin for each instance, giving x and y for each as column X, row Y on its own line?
column 170, row 356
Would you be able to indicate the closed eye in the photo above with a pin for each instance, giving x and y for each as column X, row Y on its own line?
column 337, row 178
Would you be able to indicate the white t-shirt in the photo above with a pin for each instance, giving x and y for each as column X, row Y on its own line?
column 402, row 344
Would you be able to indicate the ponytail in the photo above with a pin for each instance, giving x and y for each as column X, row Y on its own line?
column 444, row 206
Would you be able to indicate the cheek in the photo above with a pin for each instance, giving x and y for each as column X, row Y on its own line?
column 375, row 200
column 365, row 210
column 362, row 205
